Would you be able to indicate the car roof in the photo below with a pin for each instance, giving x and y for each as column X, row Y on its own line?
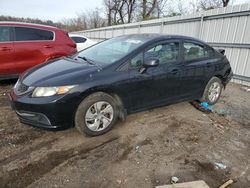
column 9, row 23
column 157, row 36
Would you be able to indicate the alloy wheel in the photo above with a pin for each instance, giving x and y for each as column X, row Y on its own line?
column 99, row 116
column 214, row 91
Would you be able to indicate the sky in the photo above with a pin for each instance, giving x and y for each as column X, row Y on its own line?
column 55, row 10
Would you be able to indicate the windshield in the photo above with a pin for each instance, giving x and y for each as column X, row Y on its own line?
column 114, row 49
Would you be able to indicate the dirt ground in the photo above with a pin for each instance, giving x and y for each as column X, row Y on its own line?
column 144, row 151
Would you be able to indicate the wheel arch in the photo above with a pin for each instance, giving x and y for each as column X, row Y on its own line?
column 223, row 76
column 118, row 99
column 218, row 76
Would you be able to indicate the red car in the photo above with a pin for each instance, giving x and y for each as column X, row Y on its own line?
column 24, row 45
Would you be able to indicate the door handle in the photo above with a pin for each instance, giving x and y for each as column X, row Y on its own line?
column 174, row 71
column 47, row 46
column 5, row 49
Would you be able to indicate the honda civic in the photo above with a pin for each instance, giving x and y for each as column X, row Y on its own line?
column 94, row 88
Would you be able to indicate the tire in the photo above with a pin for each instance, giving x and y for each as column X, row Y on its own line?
column 94, row 116
column 211, row 89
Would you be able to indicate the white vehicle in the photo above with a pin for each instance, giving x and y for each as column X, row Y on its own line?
column 81, row 41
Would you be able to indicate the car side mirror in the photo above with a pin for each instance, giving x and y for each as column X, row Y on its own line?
column 149, row 63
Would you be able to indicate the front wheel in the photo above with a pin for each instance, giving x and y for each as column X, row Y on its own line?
column 212, row 91
column 96, row 114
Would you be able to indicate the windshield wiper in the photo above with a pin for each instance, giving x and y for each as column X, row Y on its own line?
column 87, row 60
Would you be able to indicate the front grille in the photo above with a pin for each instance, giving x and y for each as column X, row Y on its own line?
column 21, row 88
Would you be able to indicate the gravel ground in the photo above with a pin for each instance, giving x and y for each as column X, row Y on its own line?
column 144, row 151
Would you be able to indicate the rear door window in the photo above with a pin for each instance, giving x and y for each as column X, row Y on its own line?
column 4, row 34
column 32, row 34
column 193, row 51
column 78, row 39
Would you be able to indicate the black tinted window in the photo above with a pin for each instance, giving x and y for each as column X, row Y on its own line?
column 194, row 51
column 4, row 34
column 78, row 39
column 28, row 34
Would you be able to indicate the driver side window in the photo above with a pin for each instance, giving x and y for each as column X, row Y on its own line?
column 137, row 60
column 166, row 53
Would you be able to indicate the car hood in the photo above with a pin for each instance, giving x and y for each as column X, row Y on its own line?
column 59, row 72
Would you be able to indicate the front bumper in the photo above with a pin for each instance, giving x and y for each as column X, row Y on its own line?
column 35, row 119
column 56, row 112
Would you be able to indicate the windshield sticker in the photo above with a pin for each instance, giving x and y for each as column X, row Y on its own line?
column 133, row 41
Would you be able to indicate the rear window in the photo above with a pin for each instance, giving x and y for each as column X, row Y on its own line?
column 78, row 39
column 32, row 34
column 4, row 34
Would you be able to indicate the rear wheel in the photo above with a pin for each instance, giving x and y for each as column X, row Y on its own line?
column 96, row 114
column 212, row 91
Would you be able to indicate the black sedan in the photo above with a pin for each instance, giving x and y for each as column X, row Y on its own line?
column 116, row 77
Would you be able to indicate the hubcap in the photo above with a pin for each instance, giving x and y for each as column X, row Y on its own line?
column 99, row 116
column 214, row 91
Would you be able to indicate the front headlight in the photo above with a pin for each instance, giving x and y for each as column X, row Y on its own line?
column 50, row 91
